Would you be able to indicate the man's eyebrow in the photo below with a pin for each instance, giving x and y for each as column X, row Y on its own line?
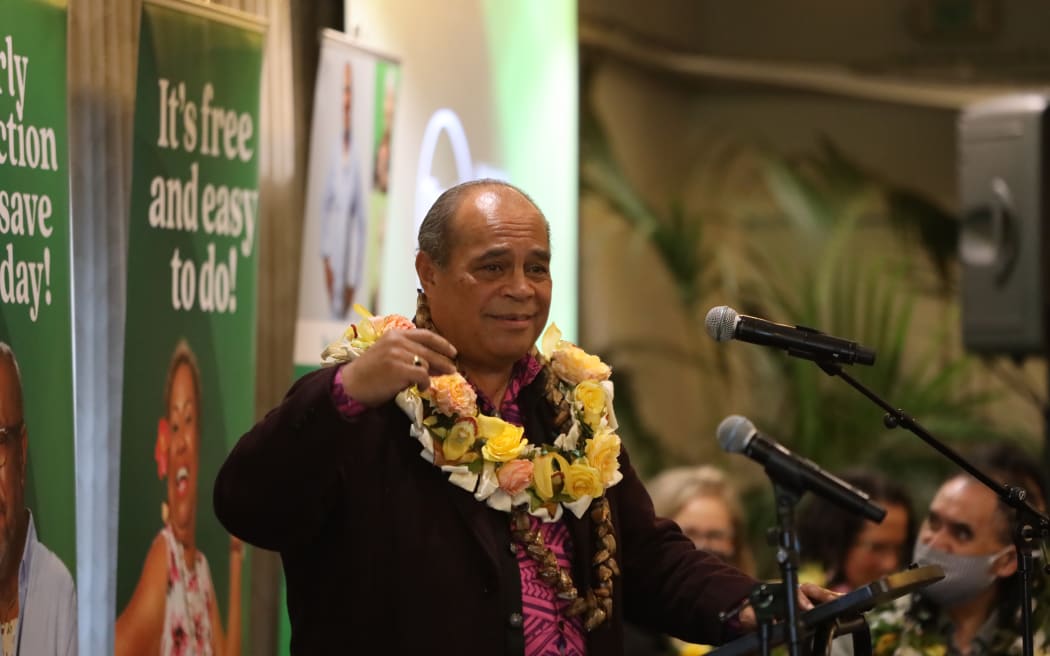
column 493, row 253
column 499, row 251
column 954, row 527
column 960, row 527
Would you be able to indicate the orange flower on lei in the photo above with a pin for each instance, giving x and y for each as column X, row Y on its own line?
column 452, row 395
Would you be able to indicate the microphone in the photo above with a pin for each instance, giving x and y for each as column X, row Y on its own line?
column 737, row 434
column 724, row 324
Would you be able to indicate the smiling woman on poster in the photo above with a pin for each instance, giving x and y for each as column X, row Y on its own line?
column 173, row 609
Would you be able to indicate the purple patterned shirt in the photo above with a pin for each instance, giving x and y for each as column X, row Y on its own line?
column 548, row 632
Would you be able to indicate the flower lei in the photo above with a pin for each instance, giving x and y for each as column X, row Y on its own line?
column 491, row 458
column 910, row 626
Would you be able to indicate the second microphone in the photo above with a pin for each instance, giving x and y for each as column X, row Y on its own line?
column 737, row 434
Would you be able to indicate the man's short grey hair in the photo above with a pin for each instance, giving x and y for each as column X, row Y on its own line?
column 435, row 234
column 1004, row 529
column 7, row 352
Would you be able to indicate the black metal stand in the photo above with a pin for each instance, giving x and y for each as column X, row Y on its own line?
column 840, row 616
column 1031, row 524
column 787, row 558
column 767, row 600
column 775, row 601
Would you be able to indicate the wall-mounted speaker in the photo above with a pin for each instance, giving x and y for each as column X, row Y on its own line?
column 1004, row 232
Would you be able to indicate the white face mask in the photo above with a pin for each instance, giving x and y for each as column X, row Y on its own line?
column 964, row 576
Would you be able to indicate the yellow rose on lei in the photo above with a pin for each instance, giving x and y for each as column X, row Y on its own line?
column 574, row 365
column 582, row 480
column 504, row 441
column 590, row 396
column 603, row 451
column 569, row 362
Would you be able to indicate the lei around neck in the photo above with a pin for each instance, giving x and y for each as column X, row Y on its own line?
column 914, row 625
column 490, row 457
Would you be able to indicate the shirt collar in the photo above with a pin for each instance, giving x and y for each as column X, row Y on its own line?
column 985, row 636
column 982, row 640
column 521, row 376
column 27, row 560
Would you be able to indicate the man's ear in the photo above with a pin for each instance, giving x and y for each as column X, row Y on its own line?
column 1006, row 564
column 25, row 446
column 426, row 269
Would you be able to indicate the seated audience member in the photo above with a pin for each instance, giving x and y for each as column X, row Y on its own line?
column 850, row 550
column 974, row 610
column 707, row 508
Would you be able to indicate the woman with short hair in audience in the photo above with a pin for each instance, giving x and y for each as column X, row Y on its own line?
column 850, row 550
column 707, row 507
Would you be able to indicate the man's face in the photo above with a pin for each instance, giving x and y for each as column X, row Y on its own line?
column 348, row 102
column 12, row 462
column 964, row 520
column 182, row 455
column 492, row 297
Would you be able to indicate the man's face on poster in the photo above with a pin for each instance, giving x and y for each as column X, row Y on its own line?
column 12, row 460
column 348, row 103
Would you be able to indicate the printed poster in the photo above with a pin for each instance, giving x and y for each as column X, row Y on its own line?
column 345, row 217
column 189, row 368
column 37, row 472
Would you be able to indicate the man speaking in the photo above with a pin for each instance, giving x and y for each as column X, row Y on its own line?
column 382, row 552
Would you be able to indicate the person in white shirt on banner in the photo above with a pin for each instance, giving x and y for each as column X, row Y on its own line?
column 343, row 225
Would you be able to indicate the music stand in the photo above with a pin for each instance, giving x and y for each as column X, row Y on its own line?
column 844, row 612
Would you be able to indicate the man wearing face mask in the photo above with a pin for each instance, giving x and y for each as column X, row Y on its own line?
column 973, row 611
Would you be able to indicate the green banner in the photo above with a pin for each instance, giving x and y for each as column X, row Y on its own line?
column 35, row 283
column 189, row 367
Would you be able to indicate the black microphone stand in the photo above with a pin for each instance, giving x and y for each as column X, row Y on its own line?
column 772, row 601
column 787, row 557
column 776, row 601
column 1031, row 524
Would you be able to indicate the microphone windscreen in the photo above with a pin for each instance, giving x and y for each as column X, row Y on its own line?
column 721, row 323
column 734, row 433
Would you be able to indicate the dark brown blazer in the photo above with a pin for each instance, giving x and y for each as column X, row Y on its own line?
column 383, row 555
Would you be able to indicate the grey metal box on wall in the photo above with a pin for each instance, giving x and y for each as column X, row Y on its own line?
column 1002, row 243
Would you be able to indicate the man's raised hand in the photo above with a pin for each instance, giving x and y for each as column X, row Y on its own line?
column 398, row 359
